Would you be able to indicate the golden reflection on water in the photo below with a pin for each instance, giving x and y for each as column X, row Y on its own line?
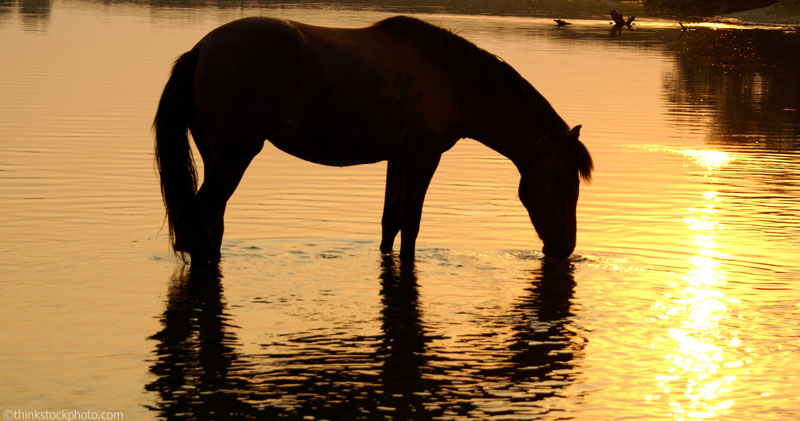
column 702, row 363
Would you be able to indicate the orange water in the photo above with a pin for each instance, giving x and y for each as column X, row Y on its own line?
column 681, row 301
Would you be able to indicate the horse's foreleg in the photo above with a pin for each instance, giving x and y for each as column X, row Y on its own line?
column 221, row 179
column 417, row 175
column 392, row 205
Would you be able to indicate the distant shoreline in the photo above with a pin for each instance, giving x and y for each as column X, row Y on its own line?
column 776, row 14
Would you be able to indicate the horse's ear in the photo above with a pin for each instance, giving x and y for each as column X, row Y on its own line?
column 575, row 132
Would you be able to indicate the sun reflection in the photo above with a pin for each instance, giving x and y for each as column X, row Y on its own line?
column 711, row 160
column 702, row 366
column 732, row 24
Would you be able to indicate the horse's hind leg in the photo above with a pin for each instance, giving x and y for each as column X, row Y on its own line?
column 201, row 141
column 221, row 179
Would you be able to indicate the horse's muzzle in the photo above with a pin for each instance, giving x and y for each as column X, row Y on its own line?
column 560, row 251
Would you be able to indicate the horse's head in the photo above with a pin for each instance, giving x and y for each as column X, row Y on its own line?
column 549, row 189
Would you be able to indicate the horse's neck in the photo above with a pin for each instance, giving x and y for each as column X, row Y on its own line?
column 510, row 120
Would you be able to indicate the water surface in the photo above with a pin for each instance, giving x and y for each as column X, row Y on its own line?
column 680, row 302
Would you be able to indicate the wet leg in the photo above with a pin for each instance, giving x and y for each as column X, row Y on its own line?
column 392, row 205
column 417, row 176
column 220, row 181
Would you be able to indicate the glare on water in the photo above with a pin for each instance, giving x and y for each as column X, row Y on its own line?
column 703, row 364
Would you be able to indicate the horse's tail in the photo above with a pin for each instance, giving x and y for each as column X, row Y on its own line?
column 173, row 154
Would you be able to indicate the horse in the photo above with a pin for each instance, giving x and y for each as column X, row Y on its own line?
column 401, row 90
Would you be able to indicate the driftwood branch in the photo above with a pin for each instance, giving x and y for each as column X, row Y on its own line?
column 620, row 21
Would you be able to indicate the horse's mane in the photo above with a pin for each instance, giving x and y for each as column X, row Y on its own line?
column 584, row 161
column 467, row 62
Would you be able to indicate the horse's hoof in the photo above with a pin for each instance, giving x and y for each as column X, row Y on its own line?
column 205, row 259
column 407, row 255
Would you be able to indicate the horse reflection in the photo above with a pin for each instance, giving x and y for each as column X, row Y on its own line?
column 404, row 345
column 549, row 340
column 201, row 372
column 546, row 341
column 196, row 352
column 336, row 376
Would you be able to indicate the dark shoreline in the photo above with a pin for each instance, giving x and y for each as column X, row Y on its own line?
column 777, row 14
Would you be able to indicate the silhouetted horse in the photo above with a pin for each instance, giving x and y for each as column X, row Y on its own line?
column 401, row 90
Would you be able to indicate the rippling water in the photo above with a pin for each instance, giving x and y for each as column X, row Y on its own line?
column 681, row 301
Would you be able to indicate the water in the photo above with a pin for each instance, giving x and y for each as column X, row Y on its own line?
column 680, row 302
